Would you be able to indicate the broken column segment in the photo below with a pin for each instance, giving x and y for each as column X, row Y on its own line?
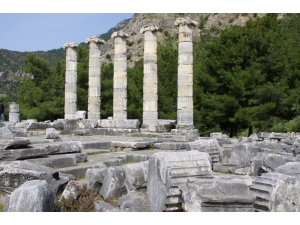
column 71, row 80
column 150, row 114
column 94, row 77
column 169, row 170
column 14, row 113
column 120, row 76
column 185, row 73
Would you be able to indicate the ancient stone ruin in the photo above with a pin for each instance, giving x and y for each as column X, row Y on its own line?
column 154, row 165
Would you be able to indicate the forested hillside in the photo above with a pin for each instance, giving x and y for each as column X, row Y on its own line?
column 246, row 80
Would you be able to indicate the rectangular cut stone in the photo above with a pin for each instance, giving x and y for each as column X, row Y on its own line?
column 120, row 104
column 70, row 116
column 119, row 40
column 150, row 88
column 150, row 115
column 150, row 78
column 71, row 95
column 185, row 59
column 150, row 58
column 70, row 65
column 14, row 117
column 120, row 67
column 71, row 76
column 94, row 99
column 185, row 47
column 185, row 29
column 94, row 81
column 186, row 79
column 120, row 58
column 120, row 48
column 14, row 108
column 94, row 53
column 185, row 69
column 184, row 117
column 150, row 47
column 150, row 68
column 71, row 87
column 185, row 37
column 71, row 54
column 120, row 114
column 185, row 102
column 94, row 62
column 120, row 82
column 95, row 107
column 120, row 92
column 94, row 71
column 150, row 96
column 149, row 36
column 150, row 106
column 70, row 108
column 94, row 91
column 185, row 90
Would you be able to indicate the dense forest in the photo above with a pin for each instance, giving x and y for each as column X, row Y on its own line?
column 246, row 79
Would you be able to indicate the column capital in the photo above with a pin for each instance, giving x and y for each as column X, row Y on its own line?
column 95, row 39
column 148, row 28
column 185, row 21
column 70, row 45
column 120, row 33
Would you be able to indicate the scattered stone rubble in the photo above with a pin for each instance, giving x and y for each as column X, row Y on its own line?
column 151, row 174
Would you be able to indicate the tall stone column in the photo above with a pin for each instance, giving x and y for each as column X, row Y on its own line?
column 150, row 114
column 185, row 74
column 120, row 76
column 94, row 77
column 71, row 80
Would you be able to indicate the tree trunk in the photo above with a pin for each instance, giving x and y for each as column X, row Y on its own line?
column 250, row 131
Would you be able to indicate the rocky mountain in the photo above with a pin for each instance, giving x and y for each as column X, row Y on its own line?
column 11, row 61
column 165, row 23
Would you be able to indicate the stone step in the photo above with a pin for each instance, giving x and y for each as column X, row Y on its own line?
column 173, row 208
column 173, row 200
column 262, row 196
column 176, row 181
column 24, row 153
column 199, row 170
column 263, row 206
column 78, row 171
column 95, row 151
column 105, row 145
column 186, row 162
column 131, row 144
column 261, row 188
column 55, row 161
column 263, row 181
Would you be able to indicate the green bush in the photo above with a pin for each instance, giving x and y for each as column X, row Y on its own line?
column 83, row 203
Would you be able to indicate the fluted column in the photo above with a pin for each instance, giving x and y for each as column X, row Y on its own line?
column 94, row 101
column 185, row 73
column 120, row 76
column 71, row 80
column 150, row 114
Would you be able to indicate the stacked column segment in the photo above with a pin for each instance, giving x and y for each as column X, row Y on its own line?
column 71, row 80
column 120, row 76
column 94, row 101
column 150, row 98
column 185, row 73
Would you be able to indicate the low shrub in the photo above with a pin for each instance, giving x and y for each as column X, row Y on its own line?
column 83, row 203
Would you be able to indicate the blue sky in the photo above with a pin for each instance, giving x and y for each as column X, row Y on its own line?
column 46, row 31
column 32, row 25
